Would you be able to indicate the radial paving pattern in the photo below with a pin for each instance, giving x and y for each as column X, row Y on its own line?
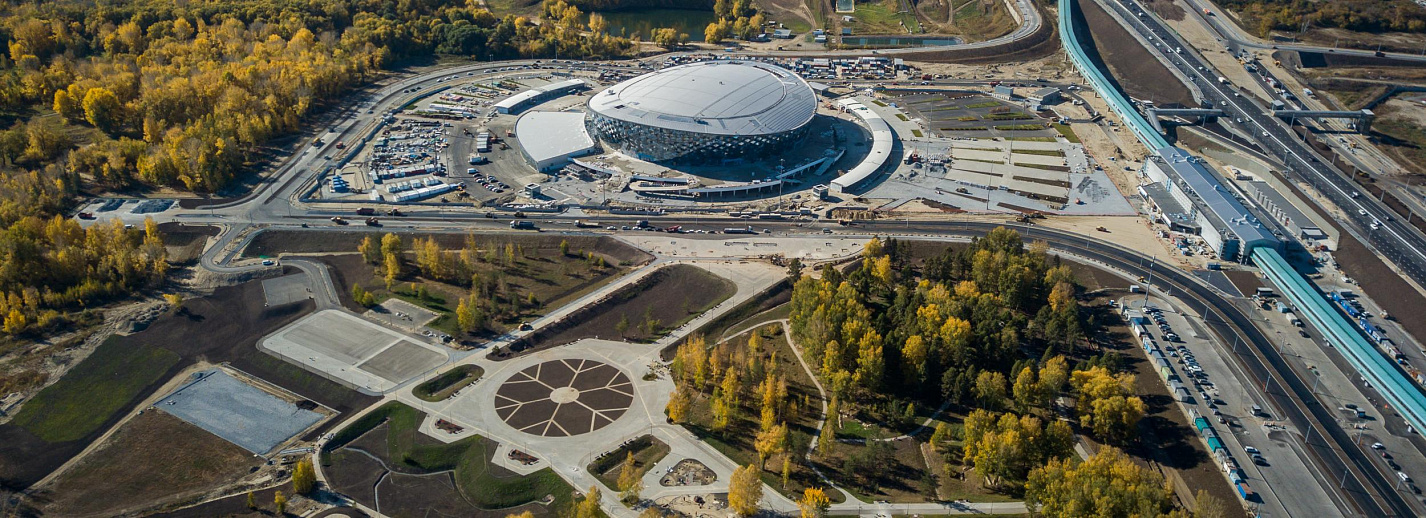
column 564, row 397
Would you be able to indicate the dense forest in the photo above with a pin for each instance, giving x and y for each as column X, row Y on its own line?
column 182, row 96
column 884, row 331
column 120, row 95
column 1373, row 16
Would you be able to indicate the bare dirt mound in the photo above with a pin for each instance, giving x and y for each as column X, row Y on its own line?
column 1129, row 64
column 641, row 311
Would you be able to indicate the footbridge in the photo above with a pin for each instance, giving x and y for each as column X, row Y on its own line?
column 1187, row 112
column 1155, row 113
column 1400, row 392
column 1364, row 118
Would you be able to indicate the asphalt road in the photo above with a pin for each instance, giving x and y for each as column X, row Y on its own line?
column 1331, row 446
column 1234, row 34
column 1398, row 242
column 1333, row 451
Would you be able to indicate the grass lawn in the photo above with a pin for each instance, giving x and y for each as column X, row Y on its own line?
column 93, row 391
column 854, row 429
column 877, row 18
column 409, row 452
column 1067, row 132
column 986, row 104
column 917, row 133
column 647, row 451
column 902, row 116
column 1031, row 139
column 448, row 383
column 1019, row 127
column 1040, row 152
column 1042, row 166
column 879, row 103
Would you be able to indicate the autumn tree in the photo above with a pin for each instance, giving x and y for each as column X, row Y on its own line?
column 814, row 503
column 1003, row 449
column 629, row 483
column 589, row 507
column 279, row 501
column 678, row 405
column 1107, row 484
column 469, row 316
column 668, row 38
column 1105, row 404
column 102, row 109
column 745, row 490
column 368, row 250
column 304, row 477
column 990, row 389
column 769, row 443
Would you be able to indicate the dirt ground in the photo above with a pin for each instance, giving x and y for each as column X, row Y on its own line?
column 273, row 243
column 185, row 243
column 231, row 320
column 153, row 458
column 236, row 506
column 1136, row 70
column 672, row 295
column 902, row 472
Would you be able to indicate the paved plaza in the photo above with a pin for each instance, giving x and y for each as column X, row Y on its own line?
column 563, row 398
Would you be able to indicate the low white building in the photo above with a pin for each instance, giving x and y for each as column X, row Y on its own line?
column 550, row 139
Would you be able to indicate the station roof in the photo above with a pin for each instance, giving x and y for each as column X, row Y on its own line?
column 721, row 97
column 1224, row 210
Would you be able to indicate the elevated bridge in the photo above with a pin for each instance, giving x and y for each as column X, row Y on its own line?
column 1155, row 113
column 1364, row 118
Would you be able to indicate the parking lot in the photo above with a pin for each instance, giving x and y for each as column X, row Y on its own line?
column 1269, row 455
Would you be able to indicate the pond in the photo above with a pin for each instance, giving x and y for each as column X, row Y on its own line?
column 643, row 21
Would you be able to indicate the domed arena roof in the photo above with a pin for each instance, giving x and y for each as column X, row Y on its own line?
column 721, row 97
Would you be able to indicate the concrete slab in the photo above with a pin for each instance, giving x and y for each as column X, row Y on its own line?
column 400, row 314
column 402, row 361
column 353, row 351
column 237, row 411
column 285, row 290
column 340, row 336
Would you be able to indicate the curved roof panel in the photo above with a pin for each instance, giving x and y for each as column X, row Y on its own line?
column 721, row 97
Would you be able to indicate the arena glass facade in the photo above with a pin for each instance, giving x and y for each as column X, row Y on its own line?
column 663, row 144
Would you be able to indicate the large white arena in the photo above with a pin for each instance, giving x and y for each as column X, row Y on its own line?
column 706, row 110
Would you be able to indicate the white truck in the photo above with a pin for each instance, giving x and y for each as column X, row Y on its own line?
column 1222, row 80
